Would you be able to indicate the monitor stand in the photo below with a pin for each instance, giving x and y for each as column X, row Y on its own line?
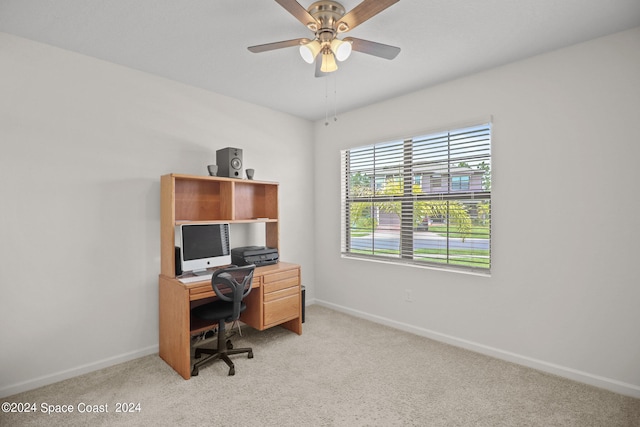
column 204, row 272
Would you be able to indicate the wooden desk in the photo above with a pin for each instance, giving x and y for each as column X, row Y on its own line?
column 275, row 299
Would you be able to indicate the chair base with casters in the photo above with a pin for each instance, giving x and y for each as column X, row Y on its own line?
column 214, row 354
column 231, row 285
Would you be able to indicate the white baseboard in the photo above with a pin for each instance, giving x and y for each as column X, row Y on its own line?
column 74, row 372
column 562, row 371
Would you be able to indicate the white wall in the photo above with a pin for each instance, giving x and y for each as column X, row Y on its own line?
column 564, row 290
column 83, row 145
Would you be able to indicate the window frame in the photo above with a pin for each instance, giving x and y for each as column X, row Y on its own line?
column 471, row 146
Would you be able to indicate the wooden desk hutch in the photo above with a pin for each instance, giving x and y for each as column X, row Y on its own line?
column 276, row 295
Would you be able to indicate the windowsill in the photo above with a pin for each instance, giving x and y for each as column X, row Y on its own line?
column 415, row 265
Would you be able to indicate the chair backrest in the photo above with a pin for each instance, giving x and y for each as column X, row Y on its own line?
column 232, row 284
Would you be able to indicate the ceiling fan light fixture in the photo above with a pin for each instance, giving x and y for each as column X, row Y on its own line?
column 310, row 50
column 328, row 62
column 341, row 49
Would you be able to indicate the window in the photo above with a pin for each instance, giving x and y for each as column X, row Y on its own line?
column 425, row 200
column 460, row 183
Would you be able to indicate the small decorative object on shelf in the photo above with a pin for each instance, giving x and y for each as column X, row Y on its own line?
column 250, row 173
column 213, row 170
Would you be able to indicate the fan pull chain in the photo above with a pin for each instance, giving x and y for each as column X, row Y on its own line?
column 326, row 102
column 335, row 102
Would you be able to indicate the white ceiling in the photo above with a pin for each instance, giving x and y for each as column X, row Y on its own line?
column 204, row 43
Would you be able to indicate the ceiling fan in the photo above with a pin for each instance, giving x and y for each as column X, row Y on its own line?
column 327, row 19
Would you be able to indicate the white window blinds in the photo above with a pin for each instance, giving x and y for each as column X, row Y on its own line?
column 423, row 200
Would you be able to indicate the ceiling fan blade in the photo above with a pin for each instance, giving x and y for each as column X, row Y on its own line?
column 299, row 12
column 372, row 48
column 277, row 45
column 364, row 11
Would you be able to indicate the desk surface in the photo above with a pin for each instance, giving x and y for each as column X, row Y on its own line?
column 265, row 269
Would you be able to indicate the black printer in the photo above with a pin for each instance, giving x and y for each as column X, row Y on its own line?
column 258, row 255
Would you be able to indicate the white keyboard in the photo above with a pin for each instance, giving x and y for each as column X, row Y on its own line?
column 203, row 278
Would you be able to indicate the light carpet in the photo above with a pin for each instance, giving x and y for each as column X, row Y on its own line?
column 342, row 371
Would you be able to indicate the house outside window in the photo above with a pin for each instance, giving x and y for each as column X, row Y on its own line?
column 425, row 200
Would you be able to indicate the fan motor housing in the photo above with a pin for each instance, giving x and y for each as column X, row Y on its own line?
column 327, row 13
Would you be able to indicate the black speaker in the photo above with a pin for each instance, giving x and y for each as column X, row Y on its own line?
column 178, row 263
column 229, row 161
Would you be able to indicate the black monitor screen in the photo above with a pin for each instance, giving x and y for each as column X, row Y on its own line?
column 205, row 241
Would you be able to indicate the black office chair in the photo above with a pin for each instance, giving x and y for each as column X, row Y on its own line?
column 231, row 285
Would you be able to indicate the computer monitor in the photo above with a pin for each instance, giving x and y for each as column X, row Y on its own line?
column 202, row 246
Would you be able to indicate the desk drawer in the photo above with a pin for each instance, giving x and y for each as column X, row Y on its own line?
column 274, row 277
column 277, row 281
column 282, row 309
column 201, row 291
column 272, row 296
